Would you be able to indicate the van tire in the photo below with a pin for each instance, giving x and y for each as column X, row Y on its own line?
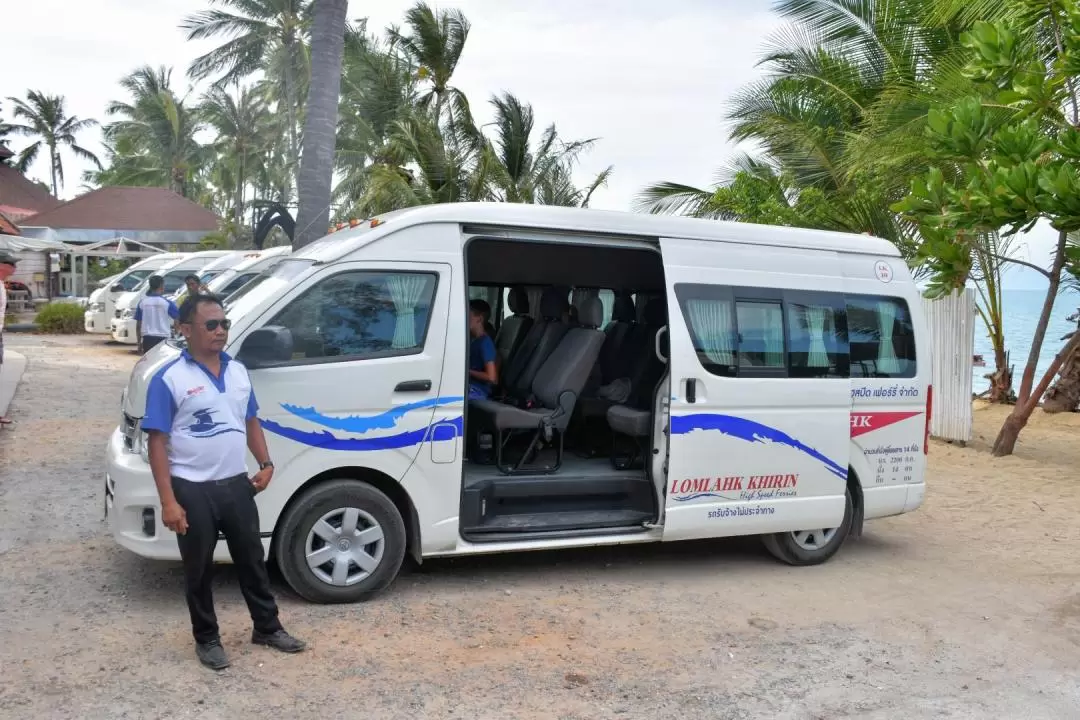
column 316, row 503
column 784, row 547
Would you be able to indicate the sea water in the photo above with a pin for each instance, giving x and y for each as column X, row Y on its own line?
column 1022, row 309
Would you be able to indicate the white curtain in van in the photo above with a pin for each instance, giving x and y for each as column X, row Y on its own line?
column 887, row 362
column 773, row 323
column 534, row 293
column 711, row 320
column 818, row 356
column 580, row 295
column 406, row 292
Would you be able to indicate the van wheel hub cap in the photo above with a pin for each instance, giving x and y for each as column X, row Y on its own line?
column 344, row 546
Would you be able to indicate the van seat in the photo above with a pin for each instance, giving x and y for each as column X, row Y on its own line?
column 555, row 391
column 629, row 421
column 513, row 330
column 539, row 343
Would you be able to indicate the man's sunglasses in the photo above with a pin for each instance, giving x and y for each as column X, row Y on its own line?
column 212, row 325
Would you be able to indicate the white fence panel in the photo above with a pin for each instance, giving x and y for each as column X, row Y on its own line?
column 951, row 320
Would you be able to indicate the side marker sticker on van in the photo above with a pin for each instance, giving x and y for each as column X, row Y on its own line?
column 750, row 431
column 360, row 425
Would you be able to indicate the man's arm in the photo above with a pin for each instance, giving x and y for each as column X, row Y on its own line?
column 138, row 324
column 256, row 442
column 157, row 422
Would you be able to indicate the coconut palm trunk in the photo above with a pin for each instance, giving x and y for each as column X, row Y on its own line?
column 315, row 181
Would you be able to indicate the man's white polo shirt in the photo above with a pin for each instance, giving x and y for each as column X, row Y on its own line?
column 204, row 416
column 155, row 311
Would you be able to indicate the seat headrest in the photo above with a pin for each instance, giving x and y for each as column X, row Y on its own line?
column 553, row 303
column 518, row 300
column 624, row 310
column 656, row 311
column 591, row 312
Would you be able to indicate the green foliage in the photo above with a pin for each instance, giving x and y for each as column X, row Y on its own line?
column 46, row 119
column 60, row 319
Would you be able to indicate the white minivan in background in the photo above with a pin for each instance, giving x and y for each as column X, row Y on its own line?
column 212, row 270
column 102, row 302
column 753, row 380
column 254, row 265
column 123, row 322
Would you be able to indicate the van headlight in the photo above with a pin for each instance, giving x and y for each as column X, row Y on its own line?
column 97, row 307
column 127, row 314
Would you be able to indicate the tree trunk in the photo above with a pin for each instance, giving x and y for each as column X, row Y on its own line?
column 1026, row 400
column 53, row 160
column 290, row 110
column 1001, row 379
column 320, row 122
column 1005, row 442
column 1064, row 395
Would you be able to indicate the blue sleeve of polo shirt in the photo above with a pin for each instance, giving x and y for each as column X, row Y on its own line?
column 487, row 349
column 174, row 312
column 138, row 312
column 253, row 406
column 160, row 406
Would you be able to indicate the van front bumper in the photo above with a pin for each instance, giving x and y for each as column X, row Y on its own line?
column 123, row 331
column 96, row 322
column 133, row 508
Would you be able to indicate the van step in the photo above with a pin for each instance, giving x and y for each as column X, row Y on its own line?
column 561, row 521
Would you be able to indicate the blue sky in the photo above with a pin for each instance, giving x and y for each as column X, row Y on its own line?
column 649, row 79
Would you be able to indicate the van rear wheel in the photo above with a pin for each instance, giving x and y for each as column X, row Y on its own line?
column 810, row 547
column 342, row 541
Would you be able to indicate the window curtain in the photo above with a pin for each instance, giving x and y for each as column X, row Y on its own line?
column 406, row 292
column 580, row 295
column 887, row 362
column 711, row 320
column 773, row 323
column 534, row 293
column 818, row 356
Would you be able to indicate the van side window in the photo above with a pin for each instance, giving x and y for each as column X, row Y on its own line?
column 881, row 336
column 354, row 315
column 761, row 334
column 709, row 312
column 817, row 335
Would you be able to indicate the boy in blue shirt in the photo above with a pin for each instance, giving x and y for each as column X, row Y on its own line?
column 482, row 373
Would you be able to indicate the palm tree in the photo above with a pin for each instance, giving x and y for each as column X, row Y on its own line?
column 315, row 181
column 47, row 119
column 154, row 139
column 434, row 44
column 540, row 174
column 267, row 35
column 238, row 122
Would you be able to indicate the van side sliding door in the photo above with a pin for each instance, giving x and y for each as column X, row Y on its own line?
column 760, row 397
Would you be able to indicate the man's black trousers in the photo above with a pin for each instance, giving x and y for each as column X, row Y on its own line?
column 225, row 506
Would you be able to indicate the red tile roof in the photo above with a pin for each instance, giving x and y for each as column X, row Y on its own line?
column 20, row 197
column 127, row 208
column 7, row 227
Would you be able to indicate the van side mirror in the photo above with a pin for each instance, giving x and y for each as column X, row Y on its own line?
column 266, row 347
column 116, row 288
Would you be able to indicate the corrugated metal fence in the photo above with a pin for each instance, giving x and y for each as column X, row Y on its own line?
column 951, row 320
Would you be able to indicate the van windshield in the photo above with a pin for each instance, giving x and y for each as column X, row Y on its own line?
column 265, row 285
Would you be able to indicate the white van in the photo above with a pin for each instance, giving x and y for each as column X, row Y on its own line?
column 123, row 323
column 254, row 266
column 213, row 270
column 753, row 380
column 102, row 302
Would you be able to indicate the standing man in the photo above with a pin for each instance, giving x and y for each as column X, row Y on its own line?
column 7, row 269
column 155, row 315
column 194, row 286
column 200, row 415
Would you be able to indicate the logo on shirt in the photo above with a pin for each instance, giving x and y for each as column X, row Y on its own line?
column 204, row 425
column 195, row 390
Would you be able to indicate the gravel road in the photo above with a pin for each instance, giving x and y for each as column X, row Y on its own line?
column 968, row 608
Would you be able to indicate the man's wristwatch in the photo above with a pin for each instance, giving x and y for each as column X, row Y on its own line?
column 267, row 464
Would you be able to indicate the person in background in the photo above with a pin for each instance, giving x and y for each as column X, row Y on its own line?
column 7, row 269
column 202, row 423
column 194, row 286
column 154, row 316
column 482, row 373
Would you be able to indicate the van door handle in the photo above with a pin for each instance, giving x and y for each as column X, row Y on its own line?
column 413, row 386
column 691, row 391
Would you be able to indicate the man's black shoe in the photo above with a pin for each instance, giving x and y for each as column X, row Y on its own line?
column 279, row 640
column 212, row 655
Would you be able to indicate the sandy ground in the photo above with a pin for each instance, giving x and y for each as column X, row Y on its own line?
column 968, row 608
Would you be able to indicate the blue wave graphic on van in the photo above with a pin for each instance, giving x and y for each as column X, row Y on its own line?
column 359, row 424
column 749, row 431
column 444, row 430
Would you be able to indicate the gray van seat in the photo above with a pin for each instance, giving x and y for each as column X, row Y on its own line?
column 538, row 344
column 555, row 389
column 513, row 330
column 629, row 421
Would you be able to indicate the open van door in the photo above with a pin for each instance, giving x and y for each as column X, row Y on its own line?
column 758, row 442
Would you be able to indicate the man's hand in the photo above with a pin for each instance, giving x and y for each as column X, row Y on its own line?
column 174, row 517
column 262, row 479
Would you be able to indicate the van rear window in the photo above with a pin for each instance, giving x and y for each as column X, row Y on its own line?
column 755, row 332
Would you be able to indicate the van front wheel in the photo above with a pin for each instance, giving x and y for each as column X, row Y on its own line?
column 341, row 541
column 810, row 547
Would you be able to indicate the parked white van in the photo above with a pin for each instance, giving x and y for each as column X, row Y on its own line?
column 123, row 323
column 102, row 302
column 255, row 265
column 754, row 380
column 213, row 269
